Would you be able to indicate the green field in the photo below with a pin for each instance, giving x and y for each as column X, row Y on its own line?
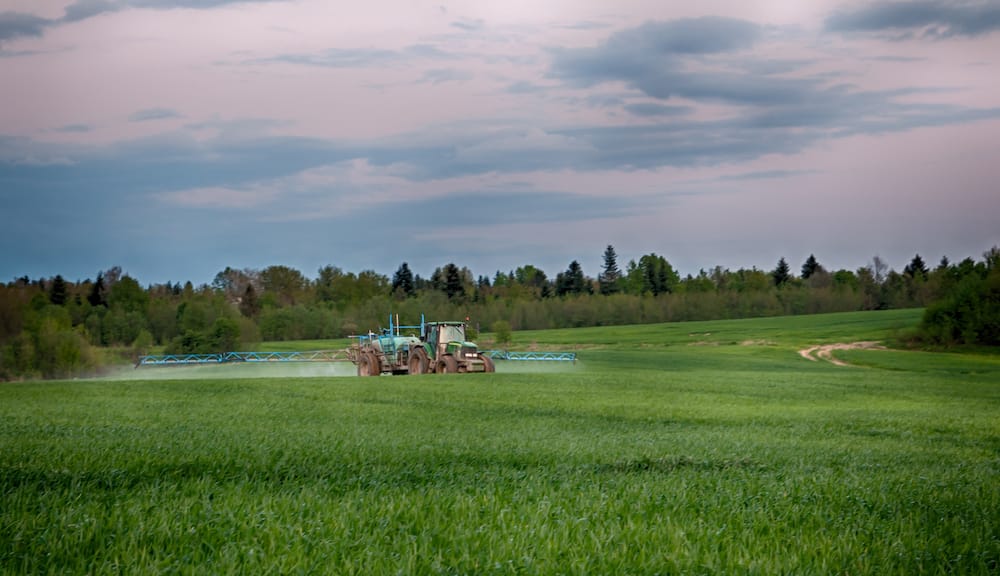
column 695, row 448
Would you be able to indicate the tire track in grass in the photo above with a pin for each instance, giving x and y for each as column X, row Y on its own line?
column 825, row 351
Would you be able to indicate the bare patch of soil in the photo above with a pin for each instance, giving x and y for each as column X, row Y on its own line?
column 825, row 351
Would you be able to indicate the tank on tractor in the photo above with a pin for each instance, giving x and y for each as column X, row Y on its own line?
column 441, row 349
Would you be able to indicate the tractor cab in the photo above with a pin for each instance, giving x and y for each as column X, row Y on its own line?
column 447, row 338
column 444, row 332
column 449, row 351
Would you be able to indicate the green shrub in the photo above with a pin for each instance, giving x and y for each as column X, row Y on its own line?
column 968, row 314
column 502, row 333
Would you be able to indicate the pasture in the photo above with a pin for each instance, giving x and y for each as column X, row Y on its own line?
column 695, row 448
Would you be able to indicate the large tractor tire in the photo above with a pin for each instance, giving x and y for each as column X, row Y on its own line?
column 368, row 364
column 448, row 365
column 374, row 364
column 418, row 362
column 488, row 365
column 363, row 368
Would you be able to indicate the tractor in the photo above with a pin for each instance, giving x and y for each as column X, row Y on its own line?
column 441, row 348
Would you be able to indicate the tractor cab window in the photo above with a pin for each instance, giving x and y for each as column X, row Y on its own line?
column 452, row 334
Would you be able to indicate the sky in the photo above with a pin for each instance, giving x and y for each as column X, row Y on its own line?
column 175, row 138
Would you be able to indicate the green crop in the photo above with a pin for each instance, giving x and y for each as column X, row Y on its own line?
column 699, row 448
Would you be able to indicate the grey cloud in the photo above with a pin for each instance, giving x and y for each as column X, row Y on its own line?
column 18, row 24
column 654, row 58
column 706, row 35
column 359, row 58
column 202, row 4
column 585, row 25
column 469, row 25
column 768, row 67
column 652, row 49
column 914, row 116
column 247, row 153
column 74, row 129
column 604, row 101
column 429, row 51
column 474, row 208
column 524, row 87
column 928, row 18
column 664, row 77
column 663, row 141
column 442, row 75
column 766, row 175
column 686, row 143
column 17, row 53
column 653, row 109
column 84, row 9
column 338, row 58
column 153, row 114
column 766, row 102
column 896, row 59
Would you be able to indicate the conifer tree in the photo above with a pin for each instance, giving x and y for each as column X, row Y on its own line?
column 809, row 267
column 402, row 281
column 96, row 296
column 782, row 273
column 57, row 292
column 572, row 281
column 916, row 268
column 608, row 279
column 453, row 285
column 250, row 303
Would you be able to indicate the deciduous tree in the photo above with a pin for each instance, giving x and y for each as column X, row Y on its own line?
column 286, row 285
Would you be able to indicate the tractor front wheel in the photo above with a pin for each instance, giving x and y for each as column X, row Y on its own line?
column 488, row 365
column 448, row 365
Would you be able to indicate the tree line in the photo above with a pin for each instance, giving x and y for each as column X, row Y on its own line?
column 57, row 328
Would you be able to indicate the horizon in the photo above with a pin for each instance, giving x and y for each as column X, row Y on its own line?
column 794, row 269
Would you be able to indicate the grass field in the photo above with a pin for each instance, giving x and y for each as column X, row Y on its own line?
column 695, row 448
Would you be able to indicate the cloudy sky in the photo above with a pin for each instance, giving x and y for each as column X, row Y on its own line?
column 177, row 137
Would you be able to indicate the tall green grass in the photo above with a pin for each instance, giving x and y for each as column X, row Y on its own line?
column 665, row 458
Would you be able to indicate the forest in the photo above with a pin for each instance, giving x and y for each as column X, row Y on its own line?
column 56, row 328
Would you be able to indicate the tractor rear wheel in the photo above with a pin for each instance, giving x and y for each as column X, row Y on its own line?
column 448, row 365
column 363, row 367
column 418, row 362
column 374, row 365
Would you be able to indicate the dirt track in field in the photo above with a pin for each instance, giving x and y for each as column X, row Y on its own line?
column 825, row 351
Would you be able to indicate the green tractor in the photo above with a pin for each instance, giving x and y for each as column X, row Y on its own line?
column 446, row 351
column 441, row 348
